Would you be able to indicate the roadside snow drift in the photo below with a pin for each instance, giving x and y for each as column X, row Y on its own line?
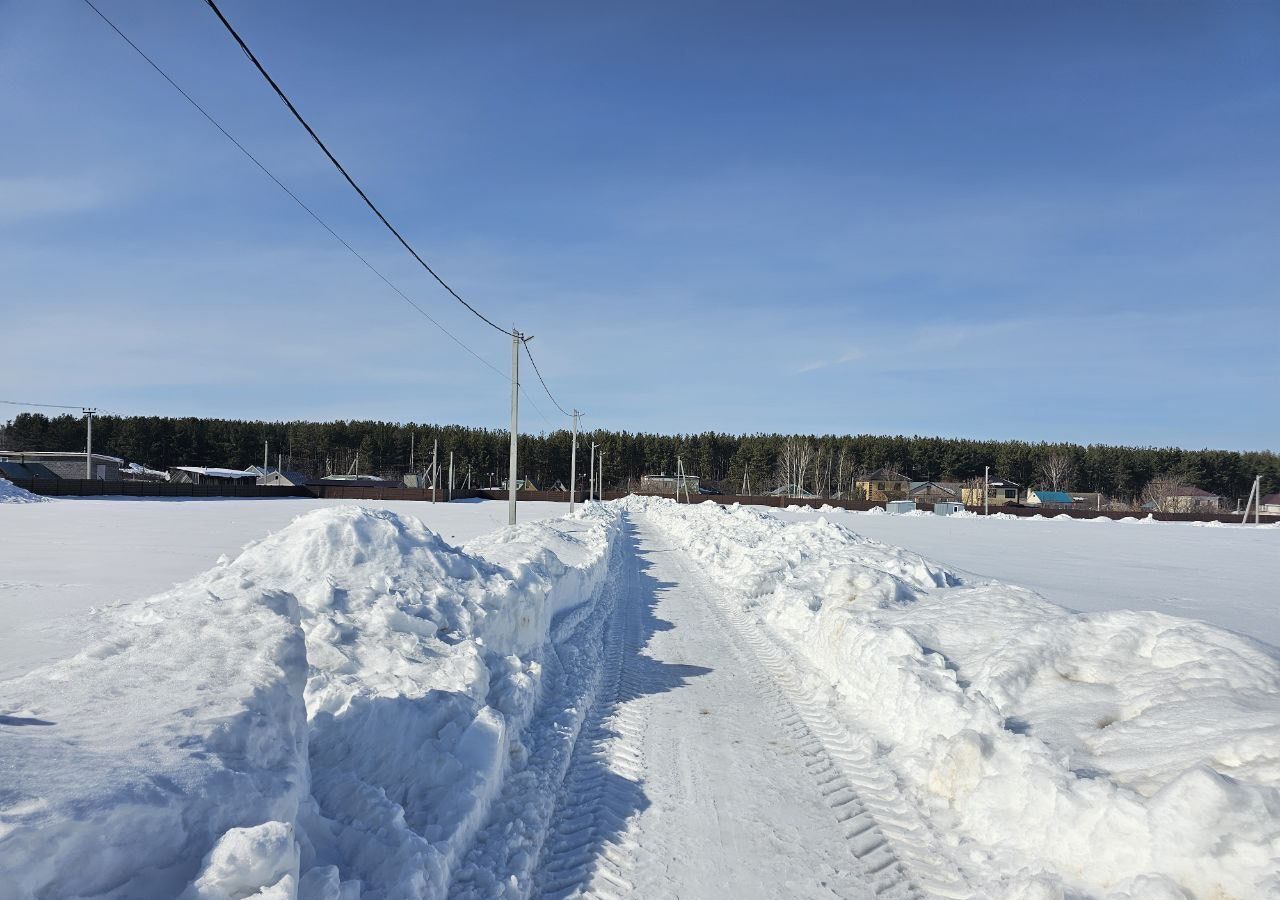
column 1122, row 755
column 329, row 715
column 11, row 493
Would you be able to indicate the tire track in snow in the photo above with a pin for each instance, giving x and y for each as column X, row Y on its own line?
column 502, row 860
column 591, row 846
column 896, row 847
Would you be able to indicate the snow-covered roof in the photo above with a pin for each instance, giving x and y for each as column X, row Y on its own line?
column 58, row 454
column 215, row 472
column 137, row 468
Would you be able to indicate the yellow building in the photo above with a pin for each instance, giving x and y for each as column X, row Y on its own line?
column 999, row 493
column 881, row 485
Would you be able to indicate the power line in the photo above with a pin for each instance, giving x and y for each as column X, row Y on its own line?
column 529, row 353
column 315, row 216
column 43, row 405
column 351, row 181
column 296, row 199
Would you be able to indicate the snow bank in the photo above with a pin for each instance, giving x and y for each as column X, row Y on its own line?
column 1123, row 755
column 11, row 493
column 327, row 716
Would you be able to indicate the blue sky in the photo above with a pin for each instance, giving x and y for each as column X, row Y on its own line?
column 1038, row 221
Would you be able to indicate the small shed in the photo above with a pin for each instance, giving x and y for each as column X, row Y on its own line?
column 900, row 506
column 948, row 507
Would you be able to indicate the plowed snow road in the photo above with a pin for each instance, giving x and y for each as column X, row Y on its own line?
column 698, row 776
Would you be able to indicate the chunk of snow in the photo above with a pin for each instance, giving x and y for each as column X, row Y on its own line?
column 11, row 493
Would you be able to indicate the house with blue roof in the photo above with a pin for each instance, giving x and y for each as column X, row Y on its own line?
column 1051, row 499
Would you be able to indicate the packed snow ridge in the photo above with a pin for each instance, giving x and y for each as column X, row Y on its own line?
column 1123, row 754
column 330, row 715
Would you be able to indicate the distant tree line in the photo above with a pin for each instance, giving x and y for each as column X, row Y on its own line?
column 822, row 464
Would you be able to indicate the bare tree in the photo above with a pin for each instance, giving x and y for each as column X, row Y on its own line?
column 1056, row 471
column 793, row 463
column 1161, row 493
column 973, row 490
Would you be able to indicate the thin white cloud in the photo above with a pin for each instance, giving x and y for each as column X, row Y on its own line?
column 40, row 196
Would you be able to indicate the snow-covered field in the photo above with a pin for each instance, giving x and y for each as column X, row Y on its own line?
column 66, row 557
column 1228, row 575
column 644, row 700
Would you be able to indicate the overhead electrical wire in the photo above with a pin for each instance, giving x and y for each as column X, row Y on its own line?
column 351, row 181
column 320, row 221
column 296, row 199
column 538, row 372
column 42, row 405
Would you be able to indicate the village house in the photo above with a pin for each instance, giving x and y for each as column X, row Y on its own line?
column 1185, row 498
column 1050, row 499
column 1000, row 492
column 1270, row 505
column 881, row 485
column 67, row 464
column 934, row 491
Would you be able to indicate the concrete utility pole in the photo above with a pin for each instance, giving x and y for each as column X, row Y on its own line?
column 435, row 471
column 573, row 461
column 600, row 475
column 516, row 337
column 591, row 479
column 266, row 449
column 986, row 489
column 1255, row 497
column 450, row 495
column 89, row 413
column 411, row 436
